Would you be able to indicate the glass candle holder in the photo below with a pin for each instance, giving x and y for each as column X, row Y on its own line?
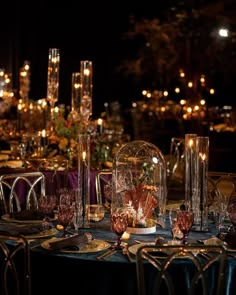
column 53, row 76
column 190, row 170
column 75, row 93
column 201, row 208
column 83, row 196
column 86, row 76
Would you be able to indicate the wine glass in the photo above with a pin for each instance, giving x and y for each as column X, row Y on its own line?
column 219, row 217
column 175, row 230
column 231, row 210
column 65, row 216
column 185, row 222
column 47, row 205
column 119, row 224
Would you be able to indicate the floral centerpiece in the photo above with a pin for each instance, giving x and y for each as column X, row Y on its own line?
column 139, row 185
column 63, row 137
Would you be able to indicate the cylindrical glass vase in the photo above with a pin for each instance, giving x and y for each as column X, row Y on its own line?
column 201, row 208
column 86, row 76
column 83, row 196
column 190, row 170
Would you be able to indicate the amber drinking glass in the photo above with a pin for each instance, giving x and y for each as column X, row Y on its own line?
column 119, row 224
column 185, row 222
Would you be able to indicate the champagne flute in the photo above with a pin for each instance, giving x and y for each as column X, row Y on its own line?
column 185, row 222
column 119, row 224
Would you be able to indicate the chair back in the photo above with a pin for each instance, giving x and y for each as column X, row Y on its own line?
column 221, row 187
column 21, row 191
column 178, row 269
column 15, row 271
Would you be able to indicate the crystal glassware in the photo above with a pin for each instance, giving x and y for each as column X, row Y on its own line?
column 185, row 222
column 175, row 230
column 231, row 210
column 65, row 216
column 119, row 224
column 47, row 205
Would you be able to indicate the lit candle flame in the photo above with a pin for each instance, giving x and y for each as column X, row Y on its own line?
column 86, row 72
column 202, row 156
column 100, row 121
column 83, row 156
column 190, row 143
column 44, row 134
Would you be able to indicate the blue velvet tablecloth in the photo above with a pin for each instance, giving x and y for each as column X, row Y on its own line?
column 60, row 273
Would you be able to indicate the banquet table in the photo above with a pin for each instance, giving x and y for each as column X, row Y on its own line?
column 54, row 272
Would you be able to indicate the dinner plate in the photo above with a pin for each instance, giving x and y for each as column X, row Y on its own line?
column 92, row 247
column 44, row 234
column 12, row 164
column 6, row 217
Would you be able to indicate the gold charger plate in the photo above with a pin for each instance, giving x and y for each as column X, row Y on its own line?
column 44, row 234
column 6, row 217
column 92, row 247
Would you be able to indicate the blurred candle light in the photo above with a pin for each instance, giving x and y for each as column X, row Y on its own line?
column 99, row 126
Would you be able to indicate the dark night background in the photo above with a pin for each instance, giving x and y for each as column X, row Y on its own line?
column 82, row 30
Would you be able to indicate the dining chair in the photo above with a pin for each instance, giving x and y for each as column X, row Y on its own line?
column 20, row 191
column 103, row 185
column 178, row 269
column 15, row 271
column 221, row 187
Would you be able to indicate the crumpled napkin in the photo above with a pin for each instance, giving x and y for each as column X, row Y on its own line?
column 21, row 229
column 213, row 241
column 29, row 215
column 77, row 242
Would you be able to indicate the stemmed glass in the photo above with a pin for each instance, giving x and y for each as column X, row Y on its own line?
column 119, row 224
column 231, row 209
column 185, row 222
column 175, row 230
column 65, row 216
column 47, row 205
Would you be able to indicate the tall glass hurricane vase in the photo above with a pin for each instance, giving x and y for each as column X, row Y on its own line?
column 190, row 170
column 83, row 196
column 201, row 214
column 75, row 93
column 53, row 77
column 86, row 76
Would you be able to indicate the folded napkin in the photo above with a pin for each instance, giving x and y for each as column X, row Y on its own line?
column 213, row 241
column 29, row 215
column 73, row 242
column 21, row 229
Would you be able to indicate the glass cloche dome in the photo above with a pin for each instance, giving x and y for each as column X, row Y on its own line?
column 139, row 185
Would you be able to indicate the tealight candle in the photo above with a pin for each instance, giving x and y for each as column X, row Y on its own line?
column 125, row 236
